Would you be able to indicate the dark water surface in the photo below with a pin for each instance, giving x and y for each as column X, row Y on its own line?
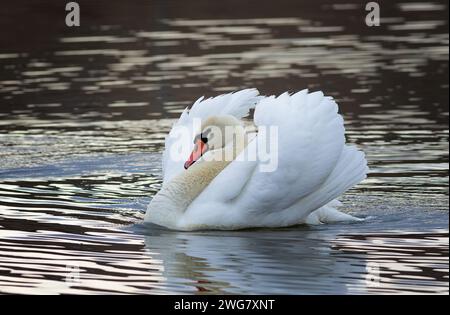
column 84, row 111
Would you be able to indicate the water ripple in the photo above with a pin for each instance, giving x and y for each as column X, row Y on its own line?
column 83, row 118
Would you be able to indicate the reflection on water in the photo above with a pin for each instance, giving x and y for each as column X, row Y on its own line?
column 301, row 262
column 84, row 113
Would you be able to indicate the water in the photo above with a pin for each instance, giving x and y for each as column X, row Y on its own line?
column 84, row 113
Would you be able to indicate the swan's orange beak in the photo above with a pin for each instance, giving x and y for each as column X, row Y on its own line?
column 199, row 148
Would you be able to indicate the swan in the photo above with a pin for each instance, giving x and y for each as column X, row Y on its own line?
column 213, row 164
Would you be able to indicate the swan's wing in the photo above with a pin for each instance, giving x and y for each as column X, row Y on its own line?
column 310, row 141
column 179, row 141
column 314, row 166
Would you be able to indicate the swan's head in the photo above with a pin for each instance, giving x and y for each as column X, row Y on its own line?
column 216, row 133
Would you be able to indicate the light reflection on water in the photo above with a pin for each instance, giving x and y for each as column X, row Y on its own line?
column 82, row 125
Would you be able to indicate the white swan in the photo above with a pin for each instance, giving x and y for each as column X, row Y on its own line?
column 314, row 166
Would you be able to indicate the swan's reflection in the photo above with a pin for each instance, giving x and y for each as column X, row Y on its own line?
column 289, row 261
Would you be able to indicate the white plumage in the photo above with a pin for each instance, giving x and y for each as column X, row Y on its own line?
column 314, row 166
column 237, row 104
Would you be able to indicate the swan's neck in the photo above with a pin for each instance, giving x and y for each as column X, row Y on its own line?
column 175, row 197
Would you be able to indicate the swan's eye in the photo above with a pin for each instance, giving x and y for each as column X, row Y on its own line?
column 203, row 136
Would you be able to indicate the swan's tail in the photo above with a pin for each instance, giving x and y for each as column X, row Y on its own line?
column 350, row 170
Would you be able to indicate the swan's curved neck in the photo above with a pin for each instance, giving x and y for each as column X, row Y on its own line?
column 175, row 197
